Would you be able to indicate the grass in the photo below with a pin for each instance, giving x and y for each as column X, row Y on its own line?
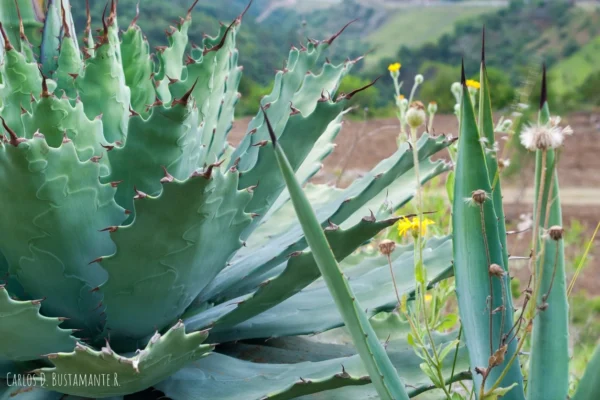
column 415, row 26
column 572, row 71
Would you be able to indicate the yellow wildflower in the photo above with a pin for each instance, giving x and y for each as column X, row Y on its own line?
column 428, row 297
column 401, row 97
column 395, row 67
column 473, row 84
column 411, row 226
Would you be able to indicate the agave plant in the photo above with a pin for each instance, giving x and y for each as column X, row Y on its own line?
column 138, row 247
column 494, row 334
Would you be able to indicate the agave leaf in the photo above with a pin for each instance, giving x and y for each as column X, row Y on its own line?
column 310, row 166
column 103, row 89
column 62, row 207
column 10, row 391
column 138, row 68
column 316, row 360
column 209, row 76
column 55, row 118
column 488, row 138
column 549, row 361
column 51, row 38
column 27, row 335
column 32, row 16
column 302, row 270
column 173, row 130
column 156, row 273
column 313, row 310
column 127, row 374
column 20, row 79
column 471, row 259
column 589, row 385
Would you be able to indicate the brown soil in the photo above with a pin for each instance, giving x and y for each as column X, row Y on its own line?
column 578, row 174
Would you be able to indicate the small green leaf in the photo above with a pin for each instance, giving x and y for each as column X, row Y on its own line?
column 499, row 392
column 448, row 322
column 426, row 368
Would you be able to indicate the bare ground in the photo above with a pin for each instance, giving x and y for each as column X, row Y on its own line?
column 361, row 145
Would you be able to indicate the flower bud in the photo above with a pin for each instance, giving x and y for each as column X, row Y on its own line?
column 432, row 107
column 387, row 247
column 415, row 116
column 419, row 79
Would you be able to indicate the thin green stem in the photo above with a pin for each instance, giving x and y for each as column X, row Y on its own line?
column 455, row 358
column 389, row 258
column 536, row 227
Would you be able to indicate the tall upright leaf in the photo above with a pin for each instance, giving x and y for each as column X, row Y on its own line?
column 549, row 362
column 380, row 368
column 477, row 245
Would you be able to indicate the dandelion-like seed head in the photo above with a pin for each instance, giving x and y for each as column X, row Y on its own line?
column 542, row 137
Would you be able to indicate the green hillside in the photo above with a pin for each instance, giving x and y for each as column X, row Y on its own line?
column 574, row 70
column 416, row 26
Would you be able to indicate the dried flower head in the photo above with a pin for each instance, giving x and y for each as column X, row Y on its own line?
column 478, row 196
column 503, row 163
column 556, row 232
column 496, row 270
column 498, row 357
column 387, row 247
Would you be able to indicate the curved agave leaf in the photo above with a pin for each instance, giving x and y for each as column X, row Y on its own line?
column 20, row 79
column 301, row 270
column 312, row 310
column 213, row 77
column 62, row 207
column 27, row 335
column 32, row 15
column 167, row 255
column 56, row 118
column 391, row 182
column 173, row 130
column 102, row 87
column 162, row 356
column 138, row 68
column 300, row 366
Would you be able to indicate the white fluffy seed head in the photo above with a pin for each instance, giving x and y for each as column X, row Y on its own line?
column 542, row 137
